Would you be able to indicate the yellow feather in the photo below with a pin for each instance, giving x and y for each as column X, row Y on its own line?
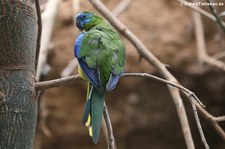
column 81, row 73
column 88, row 123
column 90, row 131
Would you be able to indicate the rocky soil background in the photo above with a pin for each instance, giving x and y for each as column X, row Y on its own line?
column 142, row 112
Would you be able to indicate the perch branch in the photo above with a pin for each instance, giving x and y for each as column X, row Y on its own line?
column 41, row 86
column 111, row 140
column 145, row 53
column 213, row 11
column 72, row 79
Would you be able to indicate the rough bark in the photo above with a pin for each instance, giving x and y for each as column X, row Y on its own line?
column 18, row 104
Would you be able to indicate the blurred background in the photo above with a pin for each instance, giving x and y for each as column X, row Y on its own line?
column 142, row 111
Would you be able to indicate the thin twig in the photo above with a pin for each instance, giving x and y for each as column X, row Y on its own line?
column 199, row 124
column 69, row 69
column 48, row 18
column 38, row 44
column 212, row 120
column 203, row 57
column 201, row 45
column 220, row 118
column 111, row 140
column 219, row 55
column 147, row 55
column 218, row 19
column 199, row 10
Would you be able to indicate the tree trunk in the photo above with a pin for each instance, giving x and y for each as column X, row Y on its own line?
column 18, row 104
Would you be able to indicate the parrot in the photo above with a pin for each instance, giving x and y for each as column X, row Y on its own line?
column 101, row 58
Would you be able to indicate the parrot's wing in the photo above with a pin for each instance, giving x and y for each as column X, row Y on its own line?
column 117, row 65
column 84, row 58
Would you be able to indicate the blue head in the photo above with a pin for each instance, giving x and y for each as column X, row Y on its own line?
column 86, row 20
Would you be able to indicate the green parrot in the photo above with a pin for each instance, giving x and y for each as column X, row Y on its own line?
column 101, row 57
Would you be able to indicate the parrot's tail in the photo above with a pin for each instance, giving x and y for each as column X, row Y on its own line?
column 93, row 112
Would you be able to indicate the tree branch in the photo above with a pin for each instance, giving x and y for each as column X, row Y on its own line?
column 199, row 10
column 111, row 141
column 41, row 86
column 161, row 68
column 219, row 21
column 72, row 79
column 48, row 18
column 201, row 45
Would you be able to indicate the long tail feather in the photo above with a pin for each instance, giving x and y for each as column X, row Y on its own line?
column 93, row 112
column 97, row 105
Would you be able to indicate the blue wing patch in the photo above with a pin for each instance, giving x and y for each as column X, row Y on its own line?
column 113, row 81
column 77, row 45
column 91, row 74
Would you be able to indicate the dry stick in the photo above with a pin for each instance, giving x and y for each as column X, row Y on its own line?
column 219, row 55
column 145, row 53
column 48, row 18
column 111, row 140
column 199, row 10
column 69, row 69
column 203, row 56
column 213, row 121
column 218, row 19
column 199, row 124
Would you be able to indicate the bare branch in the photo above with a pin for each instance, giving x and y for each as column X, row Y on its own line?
column 199, row 10
column 56, row 83
column 219, row 21
column 219, row 119
column 69, row 69
column 199, row 124
column 219, row 55
column 48, row 18
column 72, row 79
column 111, row 140
column 201, row 45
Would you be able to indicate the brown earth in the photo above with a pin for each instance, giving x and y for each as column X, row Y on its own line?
column 142, row 112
